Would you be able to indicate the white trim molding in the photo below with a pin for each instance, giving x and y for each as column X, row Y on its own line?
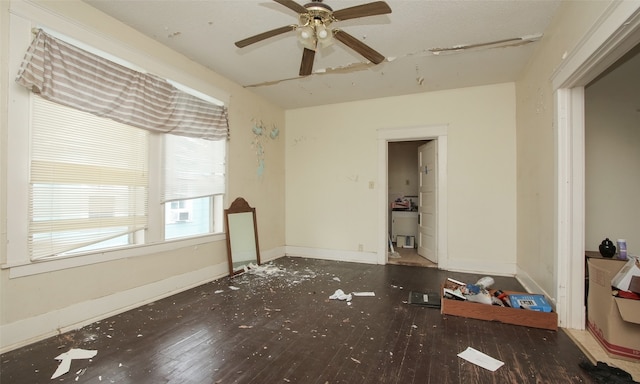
column 332, row 254
column 570, row 214
column 490, row 268
column 613, row 34
column 531, row 286
column 272, row 254
column 428, row 132
column 56, row 264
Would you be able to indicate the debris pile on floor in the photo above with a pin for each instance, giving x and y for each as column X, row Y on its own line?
column 481, row 301
column 271, row 274
column 480, row 292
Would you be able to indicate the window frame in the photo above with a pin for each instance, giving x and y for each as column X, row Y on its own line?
column 18, row 260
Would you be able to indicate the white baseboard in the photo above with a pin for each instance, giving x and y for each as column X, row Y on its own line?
column 531, row 286
column 330, row 254
column 271, row 254
column 481, row 267
column 33, row 329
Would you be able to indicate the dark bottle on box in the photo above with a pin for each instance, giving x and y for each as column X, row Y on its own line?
column 607, row 249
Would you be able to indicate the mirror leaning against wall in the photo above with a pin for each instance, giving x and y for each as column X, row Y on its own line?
column 242, row 236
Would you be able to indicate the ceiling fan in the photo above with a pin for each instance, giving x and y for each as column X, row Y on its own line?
column 314, row 29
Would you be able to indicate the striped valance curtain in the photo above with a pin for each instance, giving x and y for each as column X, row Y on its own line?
column 65, row 74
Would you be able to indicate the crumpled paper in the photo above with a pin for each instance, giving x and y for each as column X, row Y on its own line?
column 340, row 295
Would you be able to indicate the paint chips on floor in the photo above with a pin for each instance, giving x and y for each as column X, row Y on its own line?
column 65, row 360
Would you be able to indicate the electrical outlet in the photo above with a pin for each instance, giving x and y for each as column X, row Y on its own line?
column 360, row 247
column 371, row 185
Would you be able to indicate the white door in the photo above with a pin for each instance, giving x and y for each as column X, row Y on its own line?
column 427, row 228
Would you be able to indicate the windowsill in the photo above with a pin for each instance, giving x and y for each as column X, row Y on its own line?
column 44, row 266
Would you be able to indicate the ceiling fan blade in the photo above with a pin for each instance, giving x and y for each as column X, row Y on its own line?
column 369, row 9
column 358, row 46
column 307, row 62
column 292, row 5
column 264, row 35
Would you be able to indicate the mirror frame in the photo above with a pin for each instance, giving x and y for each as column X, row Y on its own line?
column 240, row 205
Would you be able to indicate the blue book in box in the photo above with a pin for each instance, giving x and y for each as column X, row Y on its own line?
column 531, row 302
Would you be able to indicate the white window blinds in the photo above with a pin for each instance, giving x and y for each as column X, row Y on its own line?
column 193, row 168
column 88, row 180
column 91, row 130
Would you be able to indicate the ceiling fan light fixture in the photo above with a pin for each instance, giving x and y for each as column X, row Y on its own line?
column 306, row 33
column 307, row 36
column 323, row 34
column 313, row 30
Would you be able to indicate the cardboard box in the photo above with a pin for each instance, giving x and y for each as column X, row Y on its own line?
column 635, row 284
column 525, row 317
column 530, row 302
column 613, row 321
column 403, row 241
column 622, row 279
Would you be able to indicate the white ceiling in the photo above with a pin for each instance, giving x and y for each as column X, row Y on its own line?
column 205, row 31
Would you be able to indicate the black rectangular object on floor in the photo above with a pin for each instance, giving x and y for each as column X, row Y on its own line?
column 427, row 299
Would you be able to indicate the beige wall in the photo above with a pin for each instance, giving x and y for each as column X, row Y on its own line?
column 403, row 169
column 536, row 140
column 332, row 157
column 37, row 305
column 612, row 161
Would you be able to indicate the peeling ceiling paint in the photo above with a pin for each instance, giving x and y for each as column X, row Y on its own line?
column 205, row 31
column 360, row 66
column 505, row 43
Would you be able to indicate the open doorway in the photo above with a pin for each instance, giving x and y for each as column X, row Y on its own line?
column 610, row 39
column 410, row 241
column 612, row 154
column 400, row 178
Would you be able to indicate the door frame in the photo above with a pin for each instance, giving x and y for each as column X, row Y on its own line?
column 613, row 34
column 427, row 132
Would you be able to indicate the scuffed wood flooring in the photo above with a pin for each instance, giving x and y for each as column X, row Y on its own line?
column 280, row 327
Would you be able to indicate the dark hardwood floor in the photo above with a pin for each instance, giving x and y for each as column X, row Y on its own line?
column 279, row 326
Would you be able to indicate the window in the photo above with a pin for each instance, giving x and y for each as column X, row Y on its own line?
column 191, row 218
column 88, row 182
column 98, row 184
column 193, row 176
